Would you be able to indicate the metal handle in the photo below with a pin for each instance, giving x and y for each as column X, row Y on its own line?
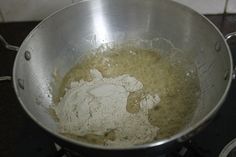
column 5, row 78
column 9, row 47
column 227, row 37
column 230, row 35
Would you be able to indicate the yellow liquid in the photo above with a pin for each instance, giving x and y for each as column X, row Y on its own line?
column 176, row 85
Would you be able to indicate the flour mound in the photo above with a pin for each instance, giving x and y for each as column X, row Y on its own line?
column 99, row 106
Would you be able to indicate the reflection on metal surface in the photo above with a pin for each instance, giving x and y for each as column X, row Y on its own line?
column 21, row 83
column 226, row 75
column 100, row 23
column 27, row 55
column 227, row 37
column 229, row 150
column 5, row 78
column 217, row 46
column 234, row 74
column 230, row 35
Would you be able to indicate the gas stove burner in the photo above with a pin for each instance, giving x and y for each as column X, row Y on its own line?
column 187, row 150
column 229, row 150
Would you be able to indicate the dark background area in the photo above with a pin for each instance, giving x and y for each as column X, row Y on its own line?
column 19, row 136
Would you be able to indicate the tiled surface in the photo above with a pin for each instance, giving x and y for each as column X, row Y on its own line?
column 231, row 7
column 30, row 10
column 205, row 6
column 33, row 10
column 1, row 15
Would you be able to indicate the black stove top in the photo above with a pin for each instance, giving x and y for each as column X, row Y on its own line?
column 19, row 136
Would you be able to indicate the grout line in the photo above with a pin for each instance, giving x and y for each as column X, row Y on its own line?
column 226, row 6
column 224, row 15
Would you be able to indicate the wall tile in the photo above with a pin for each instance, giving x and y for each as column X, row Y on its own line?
column 231, row 7
column 30, row 10
column 1, row 16
column 205, row 6
column 202, row 6
column 74, row 1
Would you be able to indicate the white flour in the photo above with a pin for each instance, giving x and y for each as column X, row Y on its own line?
column 99, row 106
